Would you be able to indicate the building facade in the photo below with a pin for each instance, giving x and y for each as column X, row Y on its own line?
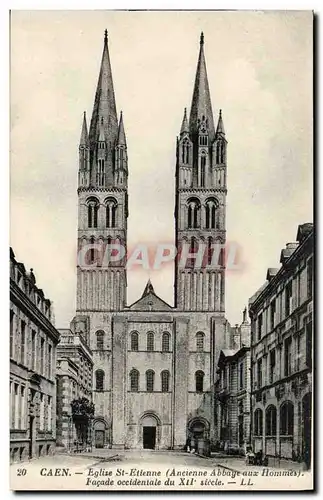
column 153, row 362
column 33, row 341
column 74, row 374
column 233, row 392
column 281, row 315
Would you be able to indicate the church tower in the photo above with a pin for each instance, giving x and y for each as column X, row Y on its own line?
column 200, row 203
column 102, row 202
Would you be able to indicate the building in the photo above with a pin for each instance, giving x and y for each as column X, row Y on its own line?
column 153, row 361
column 74, row 376
column 33, row 341
column 232, row 391
column 281, row 315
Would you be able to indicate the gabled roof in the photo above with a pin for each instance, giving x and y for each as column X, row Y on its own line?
column 149, row 301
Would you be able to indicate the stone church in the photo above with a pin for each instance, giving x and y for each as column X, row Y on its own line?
column 154, row 363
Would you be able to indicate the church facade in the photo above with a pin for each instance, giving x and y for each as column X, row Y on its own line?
column 154, row 363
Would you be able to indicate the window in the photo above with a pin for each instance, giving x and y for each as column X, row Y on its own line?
column 310, row 278
column 49, row 414
column 200, row 341
column 288, row 296
column 23, row 342
column 49, row 361
column 134, row 341
column 111, row 211
column 271, row 421
column 211, row 207
column 259, row 323
column 165, row 342
column 22, row 407
column 100, row 340
column 258, row 430
column 259, row 373
column 309, row 344
column 100, row 174
column 150, row 341
column 33, row 350
column 203, row 166
column 286, row 419
column 298, row 352
column 92, row 212
column 241, row 376
column 42, row 412
column 288, row 356
column 272, row 366
column 12, row 338
column 150, row 376
column 99, row 380
column 220, row 153
column 185, row 152
column 42, row 346
column 199, row 381
column 193, row 212
column 272, row 314
column 134, row 380
column 165, row 381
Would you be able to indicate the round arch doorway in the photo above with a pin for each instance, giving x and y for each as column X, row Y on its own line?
column 149, row 425
column 99, row 428
column 198, row 428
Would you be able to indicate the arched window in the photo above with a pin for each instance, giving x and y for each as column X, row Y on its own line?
column 209, row 250
column 258, row 422
column 211, row 208
column 92, row 212
column 271, row 421
column 134, row 341
column 287, row 419
column 185, row 152
column 99, row 380
column 111, row 212
column 100, row 340
column 150, row 377
column 193, row 249
column 200, row 341
column 134, row 380
column 165, row 380
column 193, row 213
column 92, row 253
column 203, row 166
column 165, row 342
column 150, row 341
column 101, row 174
column 199, row 381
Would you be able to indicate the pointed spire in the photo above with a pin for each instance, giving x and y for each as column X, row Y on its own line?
column 148, row 288
column 104, row 110
column 201, row 101
column 84, row 135
column 220, row 128
column 121, row 141
column 184, row 127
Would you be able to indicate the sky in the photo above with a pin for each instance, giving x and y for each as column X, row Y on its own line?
column 260, row 74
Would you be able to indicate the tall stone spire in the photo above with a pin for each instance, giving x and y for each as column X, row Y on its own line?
column 104, row 109
column 201, row 101
column 84, row 141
